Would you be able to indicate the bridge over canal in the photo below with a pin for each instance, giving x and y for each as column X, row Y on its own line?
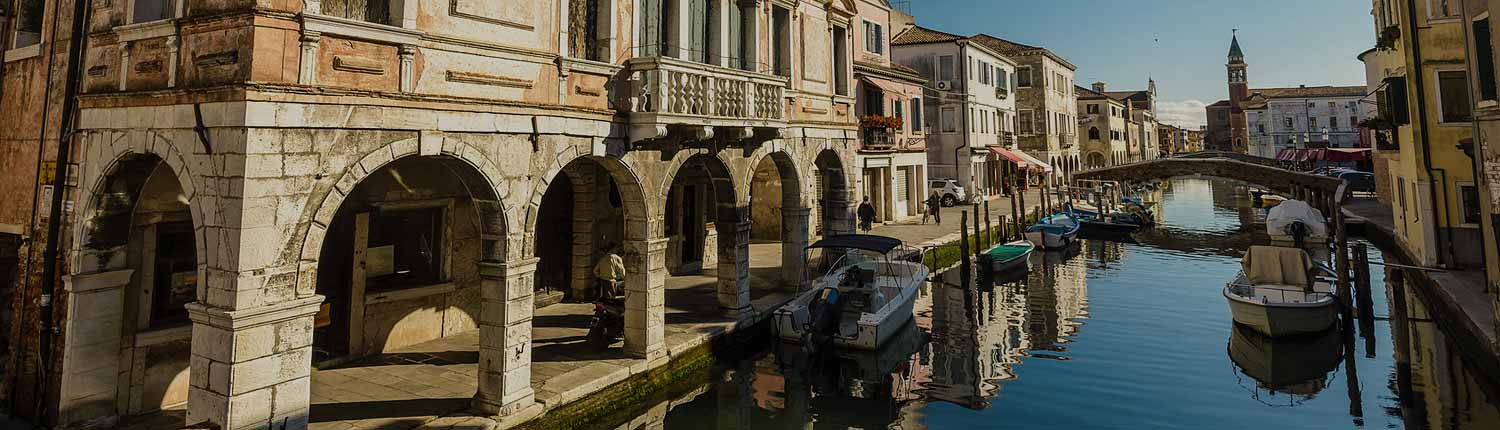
column 1320, row 191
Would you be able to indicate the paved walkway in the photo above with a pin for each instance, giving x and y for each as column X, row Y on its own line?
column 914, row 233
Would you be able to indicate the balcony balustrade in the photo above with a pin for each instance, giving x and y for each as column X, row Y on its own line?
column 668, row 92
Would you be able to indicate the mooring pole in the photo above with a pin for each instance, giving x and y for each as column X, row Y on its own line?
column 963, row 243
column 1013, row 206
column 1362, row 293
column 989, row 232
column 978, row 239
column 1341, row 263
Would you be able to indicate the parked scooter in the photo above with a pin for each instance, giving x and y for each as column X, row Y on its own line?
column 608, row 323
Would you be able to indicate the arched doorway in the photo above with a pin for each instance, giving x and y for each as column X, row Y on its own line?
column 835, row 215
column 582, row 219
column 707, row 231
column 1095, row 160
column 129, row 336
column 399, row 264
column 778, row 218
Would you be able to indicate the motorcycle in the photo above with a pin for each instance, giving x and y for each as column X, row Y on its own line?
column 608, row 323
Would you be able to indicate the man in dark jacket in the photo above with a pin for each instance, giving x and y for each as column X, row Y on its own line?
column 934, row 208
column 866, row 215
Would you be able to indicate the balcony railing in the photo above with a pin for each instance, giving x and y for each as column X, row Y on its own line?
column 668, row 91
column 884, row 139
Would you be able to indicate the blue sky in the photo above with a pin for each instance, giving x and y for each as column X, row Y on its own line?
column 1180, row 43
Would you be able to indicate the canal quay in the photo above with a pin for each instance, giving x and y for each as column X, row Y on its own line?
column 1104, row 335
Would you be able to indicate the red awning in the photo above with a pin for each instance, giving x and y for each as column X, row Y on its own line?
column 1345, row 154
column 1286, row 154
column 1007, row 155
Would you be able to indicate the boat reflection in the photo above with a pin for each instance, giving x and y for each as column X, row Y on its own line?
column 846, row 388
column 1296, row 367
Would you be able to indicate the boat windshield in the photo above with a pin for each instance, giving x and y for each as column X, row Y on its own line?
column 824, row 261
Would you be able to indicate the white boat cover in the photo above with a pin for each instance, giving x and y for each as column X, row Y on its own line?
column 1279, row 220
column 1277, row 265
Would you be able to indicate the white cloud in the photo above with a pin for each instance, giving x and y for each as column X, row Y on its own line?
column 1187, row 113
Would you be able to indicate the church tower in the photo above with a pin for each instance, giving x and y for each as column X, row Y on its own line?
column 1239, row 94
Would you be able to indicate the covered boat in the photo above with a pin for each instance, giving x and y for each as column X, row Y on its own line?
column 860, row 291
column 1279, row 292
column 1054, row 232
column 1009, row 257
column 1292, row 218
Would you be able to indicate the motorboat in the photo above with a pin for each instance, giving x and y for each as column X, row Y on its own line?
column 1271, row 200
column 1279, row 291
column 1297, row 366
column 1056, row 231
column 1293, row 220
column 860, row 291
column 1013, row 256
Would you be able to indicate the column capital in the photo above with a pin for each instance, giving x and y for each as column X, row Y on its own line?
column 222, row 318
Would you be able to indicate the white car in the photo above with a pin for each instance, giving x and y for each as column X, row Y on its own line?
column 949, row 191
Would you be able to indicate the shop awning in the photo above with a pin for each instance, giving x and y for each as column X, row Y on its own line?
column 1035, row 162
column 1007, row 155
column 1346, row 154
column 889, row 88
column 1323, row 154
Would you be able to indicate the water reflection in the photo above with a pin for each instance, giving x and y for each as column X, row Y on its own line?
column 1109, row 335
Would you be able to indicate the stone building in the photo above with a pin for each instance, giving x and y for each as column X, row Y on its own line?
column 969, row 106
column 1303, row 117
column 1483, row 91
column 893, row 160
column 1216, row 134
column 1045, row 96
column 1102, row 119
column 259, row 188
column 1229, row 133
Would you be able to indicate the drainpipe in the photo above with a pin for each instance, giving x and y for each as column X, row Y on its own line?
column 1421, row 114
column 81, row 15
column 962, row 66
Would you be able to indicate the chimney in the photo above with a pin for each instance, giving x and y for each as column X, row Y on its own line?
column 1100, row 87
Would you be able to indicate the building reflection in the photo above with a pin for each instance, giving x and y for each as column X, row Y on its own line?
column 1436, row 386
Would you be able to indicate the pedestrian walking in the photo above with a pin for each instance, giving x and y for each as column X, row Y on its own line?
column 866, row 215
column 934, row 206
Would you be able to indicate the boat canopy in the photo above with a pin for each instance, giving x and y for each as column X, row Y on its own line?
column 1281, row 217
column 1277, row 265
column 868, row 242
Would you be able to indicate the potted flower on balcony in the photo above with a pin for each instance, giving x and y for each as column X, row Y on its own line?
column 879, row 130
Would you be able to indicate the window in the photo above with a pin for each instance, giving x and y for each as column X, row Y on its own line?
column 781, row 30
column 653, row 30
column 175, row 274
column 1333, row 123
column 28, row 23
column 412, row 241
column 874, row 38
column 1442, row 9
column 1484, row 51
column 897, row 111
column 1023, row 77
column 1287, row 123
column 1026, row 125
column 1353, row 122
column 916, row 114
column 741, row 36
column 840, row 56
column 1093, row 133
column 1331, row 106
column 1468, row 200
column 1261, row 128
column 949, row 120
column 1092, row 109
column 1312, row 123
column 945, row 68
column 1453, row 95
column 702, row 30
column 375, row 11
column 969, row 127
column 1001, row 81
column 150, row 10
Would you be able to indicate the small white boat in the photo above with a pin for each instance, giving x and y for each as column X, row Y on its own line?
column 1056, row 231
column 859, row 295
column 1285, row 221
column 1278, row 293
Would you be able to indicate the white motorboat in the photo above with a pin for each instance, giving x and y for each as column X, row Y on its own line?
column 1279, row 292
column 1293, row 217
column 859, row 294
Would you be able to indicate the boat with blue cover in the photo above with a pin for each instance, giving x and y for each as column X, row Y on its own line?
column 1056, row 231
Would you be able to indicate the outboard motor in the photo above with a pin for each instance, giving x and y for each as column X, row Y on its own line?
column 1299, row 233
column 823, row 318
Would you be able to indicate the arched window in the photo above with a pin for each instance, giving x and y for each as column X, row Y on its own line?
column 1093, row 133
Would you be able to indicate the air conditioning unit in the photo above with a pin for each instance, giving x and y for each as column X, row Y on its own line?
column 944, row 85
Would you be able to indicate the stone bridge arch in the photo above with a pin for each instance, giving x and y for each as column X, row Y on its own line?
column 1318, row 190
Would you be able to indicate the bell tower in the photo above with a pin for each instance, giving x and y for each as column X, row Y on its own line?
column 1239, row 93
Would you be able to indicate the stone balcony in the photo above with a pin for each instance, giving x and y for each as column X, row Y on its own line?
column 701, row 100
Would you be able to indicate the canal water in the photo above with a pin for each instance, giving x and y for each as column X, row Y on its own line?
column 1110, row 335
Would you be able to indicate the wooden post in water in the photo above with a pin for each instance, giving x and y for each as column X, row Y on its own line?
column 1014, row 208
column 978, row 239
column 1341, row 261
column 989, row 232
column 963, row 244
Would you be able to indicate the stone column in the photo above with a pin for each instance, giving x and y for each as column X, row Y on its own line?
column 505, row 337
column 795, row 234
column 307, row 68
column 584, row 196
column 90, row 369
column 645, row 297
column 251, row 367
column 734, row 260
